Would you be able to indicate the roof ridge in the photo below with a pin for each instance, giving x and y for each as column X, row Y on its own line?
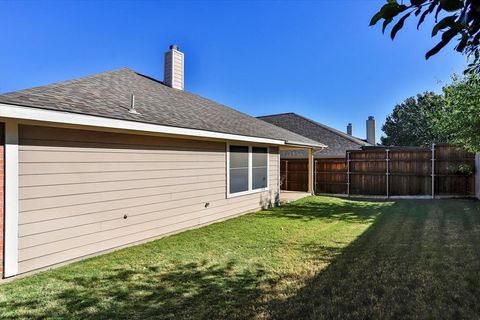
column 62, row 83
column 276, row 114
column 345, row 135
column 351, row 137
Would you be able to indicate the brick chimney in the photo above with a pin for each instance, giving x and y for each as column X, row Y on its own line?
column 173, row 69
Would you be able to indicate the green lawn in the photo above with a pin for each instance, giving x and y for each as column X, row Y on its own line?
column 316, row 258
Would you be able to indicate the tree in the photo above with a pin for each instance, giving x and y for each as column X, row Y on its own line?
column 412, row 122
column 459, row 119
column 460, row 20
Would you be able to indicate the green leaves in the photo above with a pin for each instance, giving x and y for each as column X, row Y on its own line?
column 463, row 24
column 451, row 5
column 460, row 119
column 430, row 9
column 446, row 37
column 418, row 2
column 399, row 25
column 463, row 43
column 444, row 23
column 411, row 122
column 388, row 12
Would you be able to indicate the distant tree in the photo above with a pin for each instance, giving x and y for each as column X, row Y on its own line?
column 412, row 122
column 459, row 119
column 459, row 19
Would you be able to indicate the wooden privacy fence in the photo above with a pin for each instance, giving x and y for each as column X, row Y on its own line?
column 294, row 174
column 443, row 170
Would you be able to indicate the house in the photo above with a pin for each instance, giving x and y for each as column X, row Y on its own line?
column 337, row 142
column 117, row 158
column 294, row 164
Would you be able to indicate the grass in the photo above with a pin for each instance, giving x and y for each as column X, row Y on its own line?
column 316, row 258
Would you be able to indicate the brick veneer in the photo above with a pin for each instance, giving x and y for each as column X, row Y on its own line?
column 2, row 196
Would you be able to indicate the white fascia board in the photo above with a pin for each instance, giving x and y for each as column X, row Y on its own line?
column 29, row 113
column 301, row 144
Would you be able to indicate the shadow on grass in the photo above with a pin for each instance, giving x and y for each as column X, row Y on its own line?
column 419, row 259
column 183, row 291
column 355, row 211
column 200, row 290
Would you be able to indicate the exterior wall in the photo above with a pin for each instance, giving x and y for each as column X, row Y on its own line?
column 83, row 192
column 2, row 196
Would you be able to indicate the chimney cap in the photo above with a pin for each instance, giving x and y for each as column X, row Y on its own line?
column 371, row 118
column 174, row 47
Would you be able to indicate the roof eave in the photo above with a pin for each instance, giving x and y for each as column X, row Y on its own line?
column 22, row 112
column 303, row 145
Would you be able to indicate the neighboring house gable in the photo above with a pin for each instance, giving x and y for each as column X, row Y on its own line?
column 337, row 142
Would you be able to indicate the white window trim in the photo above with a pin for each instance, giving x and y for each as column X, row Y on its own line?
column 250, row 170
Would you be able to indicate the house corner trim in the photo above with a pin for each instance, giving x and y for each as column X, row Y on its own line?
column 11, row 199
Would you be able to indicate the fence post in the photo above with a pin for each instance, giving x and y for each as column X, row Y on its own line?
column 387, row 159
column 433, row 170
column 477, row 175
column 348, row 173
column 310, row 171
column 286, row 174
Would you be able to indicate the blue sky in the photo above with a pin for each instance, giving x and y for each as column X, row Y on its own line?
column 319, row 58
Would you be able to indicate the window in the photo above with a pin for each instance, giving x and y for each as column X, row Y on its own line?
column 259, row 168
column 248, row 169
column 238, row 169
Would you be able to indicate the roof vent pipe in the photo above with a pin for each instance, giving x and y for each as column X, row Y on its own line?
column 132, row 105
column 349, row 129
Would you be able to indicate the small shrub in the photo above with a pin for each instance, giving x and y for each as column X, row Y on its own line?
column 463, row 169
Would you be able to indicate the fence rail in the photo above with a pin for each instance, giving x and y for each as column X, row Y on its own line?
column 443, row 170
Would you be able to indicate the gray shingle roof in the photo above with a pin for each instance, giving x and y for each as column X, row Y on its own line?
column 337, row 142
column 108, row 95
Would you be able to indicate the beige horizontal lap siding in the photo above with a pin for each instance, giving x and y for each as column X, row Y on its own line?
column 76, row 187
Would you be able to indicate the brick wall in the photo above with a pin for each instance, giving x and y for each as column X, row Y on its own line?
column 2, row 196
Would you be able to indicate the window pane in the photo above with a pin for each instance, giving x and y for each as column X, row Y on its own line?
column 259, row 179
column 238, row 157
column 238, row 180
column 259, row 157
column 259, row 168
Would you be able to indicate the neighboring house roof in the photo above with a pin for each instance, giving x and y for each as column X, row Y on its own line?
column 108, row 95
column 337, row 142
